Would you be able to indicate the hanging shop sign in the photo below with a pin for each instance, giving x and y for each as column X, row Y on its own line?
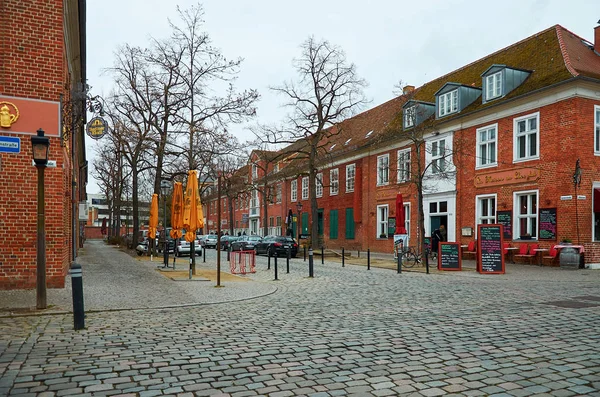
column 97, row 128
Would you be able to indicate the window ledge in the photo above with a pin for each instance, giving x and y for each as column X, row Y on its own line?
column 483, row 167
column 526, row 159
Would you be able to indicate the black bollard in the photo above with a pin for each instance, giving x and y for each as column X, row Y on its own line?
column 310, row 263
column 343, row 257
column 204, row 254
column 400, row 261
column 322, row 255
column 426, row 258
column 358, row 253
column 368, row 258
column 268, row 261
column 276, row 266
column 287, row 264
column 305, row 253
column 228, row 254
column 77, row 288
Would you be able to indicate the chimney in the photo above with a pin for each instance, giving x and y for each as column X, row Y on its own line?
column 597, row 38
column 410, row 88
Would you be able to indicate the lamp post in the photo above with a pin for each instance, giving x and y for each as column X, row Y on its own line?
column 40, row 145
column 299, row 208
column 164, row 188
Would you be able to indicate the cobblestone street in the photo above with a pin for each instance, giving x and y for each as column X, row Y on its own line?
column 348, row 331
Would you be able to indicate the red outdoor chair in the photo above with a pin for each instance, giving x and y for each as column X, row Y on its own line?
column 552, row 258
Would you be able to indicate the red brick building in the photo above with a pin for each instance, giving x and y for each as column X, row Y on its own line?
column 501, row 140
column 42, row 60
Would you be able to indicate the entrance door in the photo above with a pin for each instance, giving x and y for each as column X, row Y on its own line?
column 438, row 220
column 320, row 221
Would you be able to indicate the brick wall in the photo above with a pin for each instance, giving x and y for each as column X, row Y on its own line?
column 33, row 66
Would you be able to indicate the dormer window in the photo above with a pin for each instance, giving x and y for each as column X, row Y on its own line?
column 448, row 103
column 493, row 86
column 409, row 117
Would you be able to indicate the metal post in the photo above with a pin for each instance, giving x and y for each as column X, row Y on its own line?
column 368, row 258
column 268, row 261
column 287, row 264
column 399, row 254
column 204, row 254
column 41, row 241
column 229, row 254
column 343, row 257
column 305, row 253
column 310, row 263
column 175, row 245
column 276, row 265
column 77, row 291
column 358, row 253
column 426, row 257
column 322, row 255
column 166, row 244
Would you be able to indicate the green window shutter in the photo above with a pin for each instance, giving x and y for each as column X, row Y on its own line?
column 333, row 224
column 349, row 223
column 305, row 223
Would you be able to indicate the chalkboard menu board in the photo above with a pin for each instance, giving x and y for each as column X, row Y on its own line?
column 505, row 219
column 490, row 256
column 547, row 224
column 449, row 256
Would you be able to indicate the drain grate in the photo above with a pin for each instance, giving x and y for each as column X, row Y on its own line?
column 572, row 304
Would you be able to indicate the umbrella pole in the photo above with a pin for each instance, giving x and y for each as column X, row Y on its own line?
column 175, row 252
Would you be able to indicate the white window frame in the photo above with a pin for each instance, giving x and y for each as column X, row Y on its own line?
column 334, row 181
column 487, row 147
column 294, row 190
column 493, row 86
column 350, row 177
column 304, row 188
column 597, row 130
column 438, row 157
column 254, row 171
column 319, row 184
column 448, row 103
column 526, row 135
column 532, row 219
column 409, row 116
column 383, row 169
column 382, row 220
column 404, row 165
column 481, row 219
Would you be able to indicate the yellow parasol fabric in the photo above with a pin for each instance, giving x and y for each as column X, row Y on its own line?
column 192, row 208
column 177, row 211
column 153, row 222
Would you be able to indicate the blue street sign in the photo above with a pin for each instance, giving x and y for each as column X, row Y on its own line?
column 9, row 144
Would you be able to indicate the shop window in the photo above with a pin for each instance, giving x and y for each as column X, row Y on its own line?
column 526, row 210
column 486, row 210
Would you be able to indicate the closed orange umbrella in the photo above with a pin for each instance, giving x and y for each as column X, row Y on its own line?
column 153, row 222
column 192, row 208
column 177, row 211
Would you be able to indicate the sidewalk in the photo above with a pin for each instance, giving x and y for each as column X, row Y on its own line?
column 115, row 280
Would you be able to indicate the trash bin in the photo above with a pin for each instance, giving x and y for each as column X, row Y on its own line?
column 569, row 258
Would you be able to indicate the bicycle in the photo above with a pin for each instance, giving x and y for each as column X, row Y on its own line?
column 410, row 256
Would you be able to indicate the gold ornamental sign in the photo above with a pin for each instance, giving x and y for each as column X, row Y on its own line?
column 9, row 114
column 97, row 128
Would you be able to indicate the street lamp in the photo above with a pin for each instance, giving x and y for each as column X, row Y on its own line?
column 40, row 145
column 164, row 188
column 299, row 208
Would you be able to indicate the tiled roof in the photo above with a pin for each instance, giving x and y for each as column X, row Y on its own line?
column 553, row 55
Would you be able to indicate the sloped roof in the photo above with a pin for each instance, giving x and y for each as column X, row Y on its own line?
column 552, row 55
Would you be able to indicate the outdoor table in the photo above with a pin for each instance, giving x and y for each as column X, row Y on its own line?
column 511, row 251
column 539, row 252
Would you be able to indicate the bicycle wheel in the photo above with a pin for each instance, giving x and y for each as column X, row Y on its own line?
column 409, row 259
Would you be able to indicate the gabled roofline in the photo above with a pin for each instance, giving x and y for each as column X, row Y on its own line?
column 457, row 85
column 414, row 101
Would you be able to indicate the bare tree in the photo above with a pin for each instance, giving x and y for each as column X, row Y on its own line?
column 326, row 92
column 417, row 127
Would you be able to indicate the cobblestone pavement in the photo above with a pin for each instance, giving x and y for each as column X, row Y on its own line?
column 348, row 331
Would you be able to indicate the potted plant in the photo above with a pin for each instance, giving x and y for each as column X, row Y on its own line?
column 525, row 236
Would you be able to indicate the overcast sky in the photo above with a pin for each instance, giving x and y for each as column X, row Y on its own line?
column 389, row 41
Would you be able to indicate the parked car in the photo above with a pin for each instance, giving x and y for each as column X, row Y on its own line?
column 226, row 241
column 184, row 248
column 202, row 238
column 211, row 241
column 245, row 243
column 280, row 244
